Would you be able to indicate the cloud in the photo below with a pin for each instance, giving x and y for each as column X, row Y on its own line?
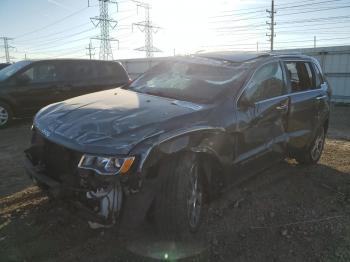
column 56, row 3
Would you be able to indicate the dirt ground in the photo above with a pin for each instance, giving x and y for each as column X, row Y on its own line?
column 285, row 213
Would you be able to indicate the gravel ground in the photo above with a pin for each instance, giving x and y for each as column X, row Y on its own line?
column 285, row 213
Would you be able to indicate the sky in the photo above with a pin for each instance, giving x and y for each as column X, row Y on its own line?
column 62, row 28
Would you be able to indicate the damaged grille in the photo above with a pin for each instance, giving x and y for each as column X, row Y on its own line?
column 58, row 162
column 101, row 195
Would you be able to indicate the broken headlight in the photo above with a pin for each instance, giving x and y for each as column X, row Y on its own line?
column 106, row 165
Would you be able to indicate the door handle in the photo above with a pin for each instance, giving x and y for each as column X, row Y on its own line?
column 321, row 97
column 282, row 107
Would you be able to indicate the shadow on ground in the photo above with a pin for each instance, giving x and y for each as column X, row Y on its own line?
column 286, row 213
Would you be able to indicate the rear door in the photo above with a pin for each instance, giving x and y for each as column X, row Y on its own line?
column 81, row 78
column 323, row 97
column 262, row 113
column 306, row 98
column 42, row 88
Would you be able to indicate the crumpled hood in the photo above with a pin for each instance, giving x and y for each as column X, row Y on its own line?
column 112, row 121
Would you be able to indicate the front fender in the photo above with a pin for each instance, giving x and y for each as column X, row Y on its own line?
column 213, row 141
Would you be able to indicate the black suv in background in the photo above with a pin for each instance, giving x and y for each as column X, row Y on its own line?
column 3, row 65
column 170, row 140
column 27, row 86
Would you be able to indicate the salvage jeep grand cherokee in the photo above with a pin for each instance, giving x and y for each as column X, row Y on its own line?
column 168, row 141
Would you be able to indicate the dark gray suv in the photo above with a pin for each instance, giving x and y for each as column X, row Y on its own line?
column 169, row 141
column 27, row 86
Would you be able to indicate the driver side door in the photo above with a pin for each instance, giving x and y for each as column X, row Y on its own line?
column 40, row 88
column 262, row 112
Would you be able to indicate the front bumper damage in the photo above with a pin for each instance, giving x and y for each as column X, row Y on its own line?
column 102, row 200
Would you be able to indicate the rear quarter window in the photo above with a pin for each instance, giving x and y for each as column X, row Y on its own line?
column 80, row 71
column 318, row 77
column 301, row 75
column 112, row 73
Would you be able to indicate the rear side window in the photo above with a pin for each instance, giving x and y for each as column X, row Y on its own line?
column 301, row 75
column 80, row 71
column 111, row 73
column 318, row 78
column 267, row 82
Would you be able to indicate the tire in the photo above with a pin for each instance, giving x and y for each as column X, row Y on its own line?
column 314, row 151
column 41, row 185
column 180, row 205
column 5, row 115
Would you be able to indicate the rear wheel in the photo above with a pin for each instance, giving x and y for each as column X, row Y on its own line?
column 314, row 152
column 5, row 115
column 180, row 205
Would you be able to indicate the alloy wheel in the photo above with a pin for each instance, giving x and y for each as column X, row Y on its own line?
column 195, row 198
column 4, row 116
column 317, row 147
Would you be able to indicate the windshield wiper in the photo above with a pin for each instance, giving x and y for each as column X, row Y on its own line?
column 153, row 93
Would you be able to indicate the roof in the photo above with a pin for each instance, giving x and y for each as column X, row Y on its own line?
column 233, row 56
column 239, row 57
column 68, row 59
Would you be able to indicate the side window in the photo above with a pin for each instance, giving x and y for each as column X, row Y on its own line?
column 81, row 71
column 301, row 75
column 267, row 82
column 318, row 78
column 106, row 70
column 29, row 74
column 111, row 73
column 42, row 73
column 119, row 73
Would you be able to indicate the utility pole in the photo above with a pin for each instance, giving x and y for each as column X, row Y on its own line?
column 89, row 50
column 148, row 28
column 104, row 22
column 314, row 41
column 7, row 48
column 272, row 23
column 257, row 47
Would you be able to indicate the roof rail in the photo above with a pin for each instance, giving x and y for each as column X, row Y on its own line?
column 283, row 52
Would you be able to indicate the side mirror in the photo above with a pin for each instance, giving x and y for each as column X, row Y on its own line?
column 22, row 79
column 244, row 102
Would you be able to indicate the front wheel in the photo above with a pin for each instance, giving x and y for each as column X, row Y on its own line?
column 314, row 152
column 5, row 115
column 180, row 205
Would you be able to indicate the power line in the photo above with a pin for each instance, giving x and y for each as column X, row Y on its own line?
column 287, row 14
column 60, row 44
column 317, row 10
column 260, row 10
column 307, row 4
column 309, row 40
column 324, row 20
column 283, row 6
column 56, row 40
column 70, row 29
column 53, row 23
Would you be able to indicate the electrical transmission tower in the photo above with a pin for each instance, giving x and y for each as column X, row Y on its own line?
column 148, row 28
column 272, row 24
column 104, row 22
column 7, row 48
column 89, row 50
